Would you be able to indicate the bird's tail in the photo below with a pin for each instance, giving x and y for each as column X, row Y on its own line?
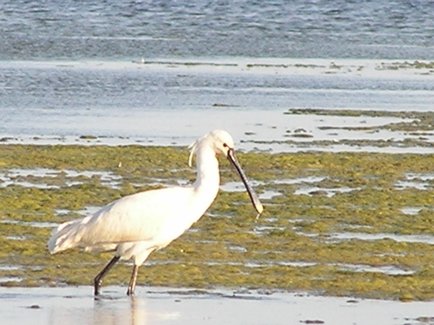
column 65, row 236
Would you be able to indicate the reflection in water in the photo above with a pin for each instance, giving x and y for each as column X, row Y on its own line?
column 76, row 305
column 113, row 307
column 109, row 311
column 106, row 310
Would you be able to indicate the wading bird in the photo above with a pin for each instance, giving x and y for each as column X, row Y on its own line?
column 136, row 225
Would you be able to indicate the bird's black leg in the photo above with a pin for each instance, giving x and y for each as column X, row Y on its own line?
column 133, row 279
column 98, row 279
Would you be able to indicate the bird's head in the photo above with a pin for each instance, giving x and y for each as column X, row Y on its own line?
column 219, row 140
column 222, row 143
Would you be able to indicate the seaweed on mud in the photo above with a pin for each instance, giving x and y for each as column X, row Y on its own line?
column 294, row 245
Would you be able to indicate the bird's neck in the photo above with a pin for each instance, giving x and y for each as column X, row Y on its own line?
column 208, row 178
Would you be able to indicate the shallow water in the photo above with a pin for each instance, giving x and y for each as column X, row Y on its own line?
column 156, row 305
column 35, row 177
column 428, row 239
column 164, row 73
column 102, row 102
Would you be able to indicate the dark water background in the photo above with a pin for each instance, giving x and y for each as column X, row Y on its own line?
column 113, row 29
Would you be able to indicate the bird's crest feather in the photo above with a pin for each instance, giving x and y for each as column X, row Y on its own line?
column 192, row 148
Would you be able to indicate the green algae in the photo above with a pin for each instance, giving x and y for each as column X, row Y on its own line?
column 290, row 247
column 414, row 129
column 414, row 121
column 420, row 65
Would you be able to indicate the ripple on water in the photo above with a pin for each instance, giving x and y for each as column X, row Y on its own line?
column 29, row 224
column 329, row 192
column 300, row 180
column 411, row 211
column 238, row 186
column 6, row 279
column 416, row 181
column 425, row 239
column 87, row 211
column 10, row 267
column 385, row 269
column 268, row 195
column 34, row 177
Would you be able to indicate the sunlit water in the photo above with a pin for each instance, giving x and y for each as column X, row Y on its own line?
column 76, row 305
column 162, row 73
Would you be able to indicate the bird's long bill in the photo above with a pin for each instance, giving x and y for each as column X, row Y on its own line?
column 253, row 197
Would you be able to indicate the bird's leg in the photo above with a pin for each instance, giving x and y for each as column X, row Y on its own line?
column 98, row 279
column 133, row 279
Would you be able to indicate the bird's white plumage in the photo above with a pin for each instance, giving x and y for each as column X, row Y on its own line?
column 146, row 218
column 138, row 224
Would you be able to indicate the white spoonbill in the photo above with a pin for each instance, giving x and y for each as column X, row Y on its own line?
column 138, row 224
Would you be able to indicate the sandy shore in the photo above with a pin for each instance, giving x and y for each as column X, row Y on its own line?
column 156, row 305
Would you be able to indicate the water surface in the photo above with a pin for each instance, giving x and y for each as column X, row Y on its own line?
column 76, row 305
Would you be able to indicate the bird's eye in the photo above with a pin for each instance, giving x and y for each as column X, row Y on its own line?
column 225, row 145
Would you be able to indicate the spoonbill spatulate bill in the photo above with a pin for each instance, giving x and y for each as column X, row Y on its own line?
column 136, row 225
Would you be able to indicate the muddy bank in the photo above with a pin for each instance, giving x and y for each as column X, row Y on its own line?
column 344, row 224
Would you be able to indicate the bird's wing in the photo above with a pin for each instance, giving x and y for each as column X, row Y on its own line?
column 146, row 216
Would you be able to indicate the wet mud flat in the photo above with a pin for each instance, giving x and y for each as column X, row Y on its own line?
column 340, row 224
column 162, row 305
